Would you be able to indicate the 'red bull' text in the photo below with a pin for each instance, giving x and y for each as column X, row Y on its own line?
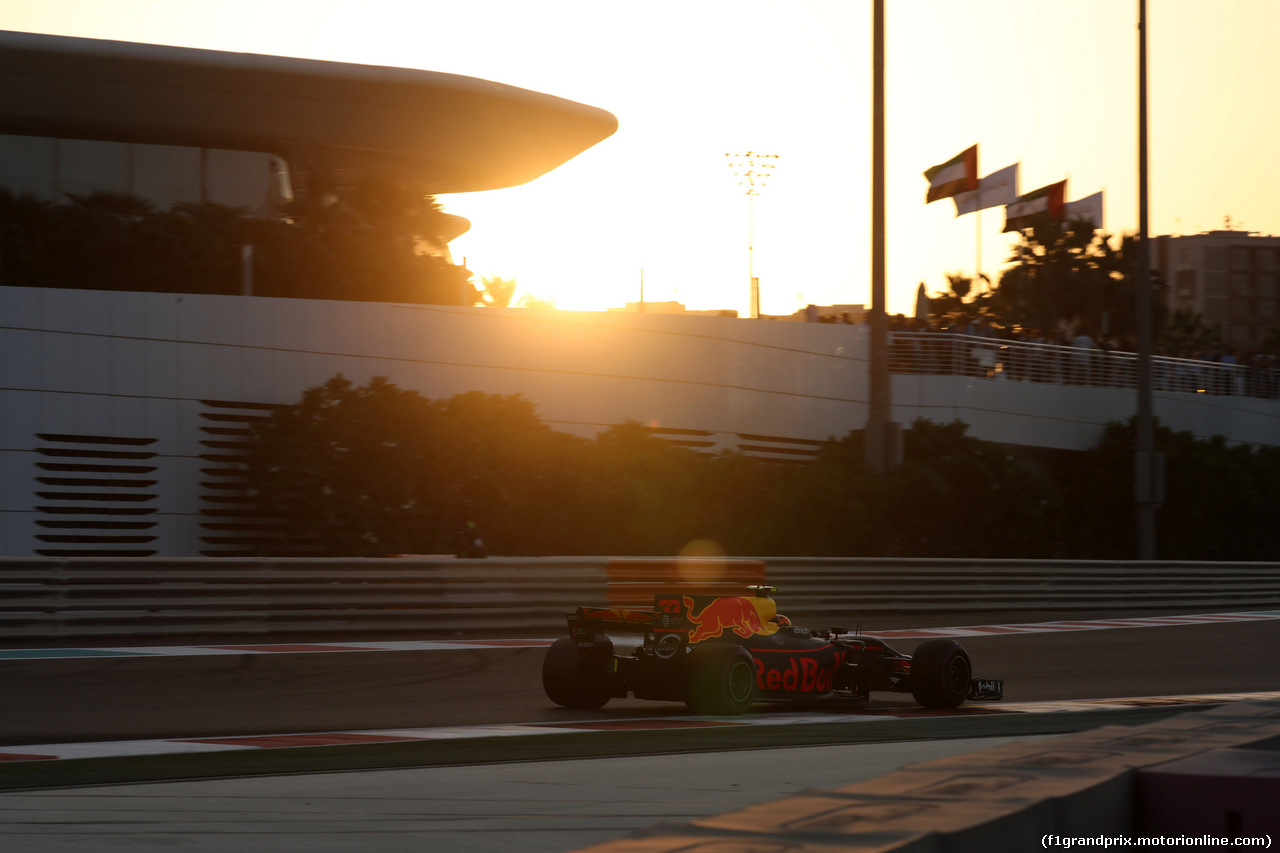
column 798, row 675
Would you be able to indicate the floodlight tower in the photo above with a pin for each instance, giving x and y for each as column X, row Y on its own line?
column 753, row 171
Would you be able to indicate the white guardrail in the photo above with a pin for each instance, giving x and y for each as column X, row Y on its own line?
column 947, row 354
column 157, row 598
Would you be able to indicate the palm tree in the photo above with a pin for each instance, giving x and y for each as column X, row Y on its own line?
column 26, row 258
column 1187, row 332
column 498, row 291
column 1070, row 275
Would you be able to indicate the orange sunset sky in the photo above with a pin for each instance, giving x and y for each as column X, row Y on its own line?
column 1050, row 85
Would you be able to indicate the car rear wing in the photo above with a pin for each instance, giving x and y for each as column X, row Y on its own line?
column 668, row 615
column 605, row 619
column 676, row 611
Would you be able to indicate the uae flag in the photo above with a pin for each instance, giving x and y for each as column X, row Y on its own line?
column 957, row 175
column 995, row 190
column 1047, row 201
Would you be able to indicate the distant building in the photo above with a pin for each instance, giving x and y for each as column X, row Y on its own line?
column 848, row 314
column 673, row 307
column 1229, row 277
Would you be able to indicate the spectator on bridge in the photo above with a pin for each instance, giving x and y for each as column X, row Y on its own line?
column 1082, row 359
column 1228, row 374
column 1107, row 365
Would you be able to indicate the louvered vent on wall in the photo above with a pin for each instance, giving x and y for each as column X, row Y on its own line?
column 771, row 447
column 231, row 522
column 695, row 439
column 93, row 496
column 779, row 449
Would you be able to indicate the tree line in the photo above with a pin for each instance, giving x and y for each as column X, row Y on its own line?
column 376, row 469
column 1068, row 277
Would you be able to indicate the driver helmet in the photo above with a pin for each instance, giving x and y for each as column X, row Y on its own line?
column 781, row 620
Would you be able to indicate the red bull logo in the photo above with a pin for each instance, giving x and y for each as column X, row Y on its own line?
column 788, row 673
column 728, row 613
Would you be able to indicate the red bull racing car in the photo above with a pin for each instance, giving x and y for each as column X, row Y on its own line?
column 721, row 654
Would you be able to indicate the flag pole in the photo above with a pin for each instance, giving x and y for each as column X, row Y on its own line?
column 1148, row 465
column 978, row 218
column 878, row 444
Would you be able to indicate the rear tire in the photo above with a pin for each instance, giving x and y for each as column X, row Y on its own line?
column 940, row 674
column 568, row 681
column 720, row 680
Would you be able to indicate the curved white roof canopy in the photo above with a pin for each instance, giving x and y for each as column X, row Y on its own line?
column 452, row 133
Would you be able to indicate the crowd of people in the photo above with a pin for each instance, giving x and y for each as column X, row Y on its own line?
column 973, row 347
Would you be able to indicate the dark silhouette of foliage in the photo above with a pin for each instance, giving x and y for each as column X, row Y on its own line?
column 350, row 469
column 498, row 291
column 1070, row 276
column 960, row 495
column 1187, row 332
column 367, row 246
column 499, row 463
column 949, row 308
column 1219, row 500
column 375, row 469
column 644, row 499
column 954, row 495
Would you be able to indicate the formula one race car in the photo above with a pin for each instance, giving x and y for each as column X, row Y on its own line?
column 720, row 654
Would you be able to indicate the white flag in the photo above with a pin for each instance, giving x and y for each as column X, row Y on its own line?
column 1088, row 208
column 995, row 190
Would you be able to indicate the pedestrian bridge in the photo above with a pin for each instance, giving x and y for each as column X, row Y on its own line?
column 1044, row 395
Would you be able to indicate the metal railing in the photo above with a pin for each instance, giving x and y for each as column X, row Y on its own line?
column 948, row 354
column 73, row 599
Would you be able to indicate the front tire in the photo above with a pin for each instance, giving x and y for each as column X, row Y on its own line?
column 720, row 681
column 940, row 674
column 568, row 681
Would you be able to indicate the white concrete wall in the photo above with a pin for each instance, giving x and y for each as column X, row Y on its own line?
column 98, row 363
column 1073, row 417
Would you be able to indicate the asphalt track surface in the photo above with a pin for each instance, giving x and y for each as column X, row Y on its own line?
column 49, row 701
column 601, row 786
